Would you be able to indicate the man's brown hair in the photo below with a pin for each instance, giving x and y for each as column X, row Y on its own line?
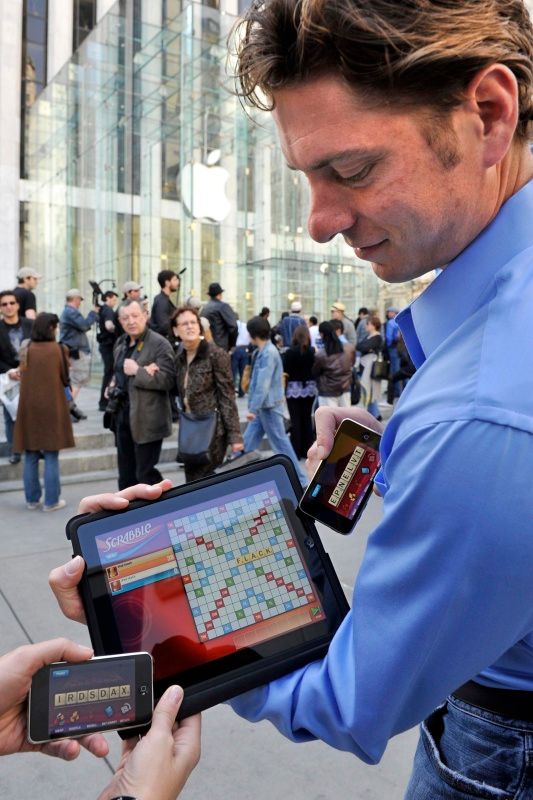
column 418, row 52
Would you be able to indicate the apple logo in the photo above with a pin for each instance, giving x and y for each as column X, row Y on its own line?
column 203, row 189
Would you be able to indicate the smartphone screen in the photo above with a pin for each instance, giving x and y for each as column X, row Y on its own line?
column 104, row 693
column 342, row 484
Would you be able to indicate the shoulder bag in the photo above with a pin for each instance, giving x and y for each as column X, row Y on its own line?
column 380, row 369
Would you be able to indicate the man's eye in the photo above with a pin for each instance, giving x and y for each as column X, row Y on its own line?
column 359, row 176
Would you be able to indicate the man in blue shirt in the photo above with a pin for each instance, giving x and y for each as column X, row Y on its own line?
column 411, row 123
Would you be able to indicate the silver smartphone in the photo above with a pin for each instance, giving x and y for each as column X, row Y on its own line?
column 106, row 693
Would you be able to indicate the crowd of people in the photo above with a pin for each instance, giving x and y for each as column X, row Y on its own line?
column 192, row 360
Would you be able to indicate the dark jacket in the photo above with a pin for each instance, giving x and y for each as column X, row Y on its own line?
column 372, row 344
column 150, row 414
column 8, row 357
column 209, row 387
column 334, row 373
column 162, row 310
column 43, row 419
column 298, row 365
column 104, row 337
column 223, row 323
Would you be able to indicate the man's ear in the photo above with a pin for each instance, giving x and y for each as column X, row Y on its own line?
column 493, row 96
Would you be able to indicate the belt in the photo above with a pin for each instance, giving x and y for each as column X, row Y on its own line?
column 510, row 703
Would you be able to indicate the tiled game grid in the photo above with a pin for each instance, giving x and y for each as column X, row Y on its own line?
column 239, row 564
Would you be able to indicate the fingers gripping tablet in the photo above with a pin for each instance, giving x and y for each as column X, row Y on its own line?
column 222, row 581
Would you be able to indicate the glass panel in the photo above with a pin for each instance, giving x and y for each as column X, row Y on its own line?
column 36, row 8
column 141, row 158
column 35, row 30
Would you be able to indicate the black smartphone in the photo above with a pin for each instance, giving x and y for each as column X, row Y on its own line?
column 105, row 693
column 342, row 484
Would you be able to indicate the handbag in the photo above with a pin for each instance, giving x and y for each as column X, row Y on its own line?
column 380, row 369
column 195, row 437
column 245, row 379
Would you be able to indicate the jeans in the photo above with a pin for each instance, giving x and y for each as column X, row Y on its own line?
column 394, row 388
column 465, row 752
column 9, row 425
column 269, row 421
column 239, row 359
column 32, row 485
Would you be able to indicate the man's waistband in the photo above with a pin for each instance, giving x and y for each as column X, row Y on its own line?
column 510, row 703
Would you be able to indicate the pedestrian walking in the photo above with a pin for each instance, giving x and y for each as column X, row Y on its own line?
column 266, row 397
column 106, row 337
column 301, row 389
column 370, row 348
column 332, row 368
column 222, row 319
column 204, row 384
column 43, row 425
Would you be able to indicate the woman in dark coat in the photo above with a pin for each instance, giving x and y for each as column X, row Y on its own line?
column 43, row 421
column 333, row 368
column 205, row 383
column 301, row 389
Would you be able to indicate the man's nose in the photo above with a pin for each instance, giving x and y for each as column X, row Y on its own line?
column 330, row 213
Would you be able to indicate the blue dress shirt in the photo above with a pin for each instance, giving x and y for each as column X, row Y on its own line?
column 445, row 590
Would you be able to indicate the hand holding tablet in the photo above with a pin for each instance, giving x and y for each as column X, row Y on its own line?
column 222, row 581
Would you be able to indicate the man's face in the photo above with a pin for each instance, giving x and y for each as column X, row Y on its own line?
column 31, row 283
column 335, row 313
column 112, row 301
column 374, row 178
column 75, row 301
column 174, row 283
column 134, row 294
column 9, row 308
column 133, row 319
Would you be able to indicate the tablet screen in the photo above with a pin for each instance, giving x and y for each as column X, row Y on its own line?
column 193, row 582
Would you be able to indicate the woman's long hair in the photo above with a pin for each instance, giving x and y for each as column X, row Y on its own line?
column 301, row 338
column 331, row 341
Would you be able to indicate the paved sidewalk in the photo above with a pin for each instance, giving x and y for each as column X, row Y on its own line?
column 239, row 760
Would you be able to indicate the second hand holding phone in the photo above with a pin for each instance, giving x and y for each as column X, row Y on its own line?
column 342, row 484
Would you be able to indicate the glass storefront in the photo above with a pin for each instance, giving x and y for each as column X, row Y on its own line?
column 140, row 158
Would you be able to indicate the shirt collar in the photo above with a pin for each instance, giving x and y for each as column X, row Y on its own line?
column 462, row 287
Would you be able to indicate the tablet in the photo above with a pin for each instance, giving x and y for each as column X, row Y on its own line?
column 221, row 580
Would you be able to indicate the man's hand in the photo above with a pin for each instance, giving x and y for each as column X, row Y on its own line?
column 151, row 369
column 130, row 366
column 250, row 416
column 64, row 580
column 14, row 374
column 237, row 447
column 159, row 764
column 16, row 671
column 327, row 420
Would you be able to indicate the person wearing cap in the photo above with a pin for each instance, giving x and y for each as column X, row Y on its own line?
column 221, row 318
column 27, row 281
column 337, row 311
column 106, row 337
column 131, row 291
column 163, row 307
column 289, row 323
column 73, row 333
